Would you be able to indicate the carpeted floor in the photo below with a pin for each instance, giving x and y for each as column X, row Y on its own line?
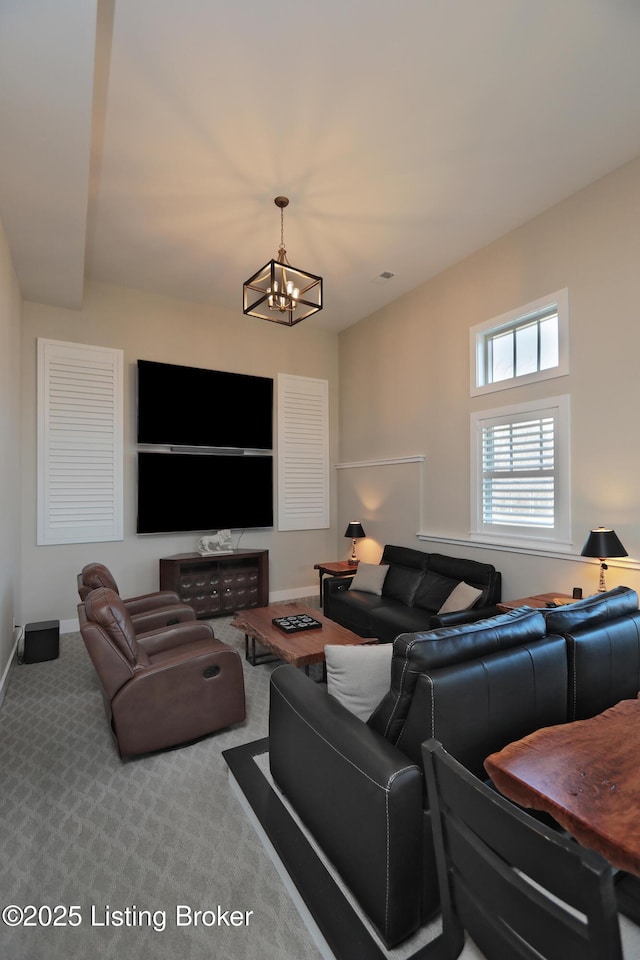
column 78, row 827
column 135, row 847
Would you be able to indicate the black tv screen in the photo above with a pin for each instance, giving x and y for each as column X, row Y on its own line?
column 202, row 492
column 195, row 407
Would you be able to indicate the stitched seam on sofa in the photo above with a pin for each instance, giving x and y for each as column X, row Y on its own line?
column 355, row 766
column 397, row 701
column 393, row 777
column 387, row 868
column 571, row 652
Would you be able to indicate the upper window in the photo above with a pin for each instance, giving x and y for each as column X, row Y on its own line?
column 520, row 471
column 525, row 345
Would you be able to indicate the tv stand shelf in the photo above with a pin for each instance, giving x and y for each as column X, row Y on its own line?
column 215, row 585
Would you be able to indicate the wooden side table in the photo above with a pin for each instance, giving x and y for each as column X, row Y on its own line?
column 341, row 568
column 538, row 600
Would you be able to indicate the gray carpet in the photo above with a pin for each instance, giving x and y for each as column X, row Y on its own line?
column 80, row 827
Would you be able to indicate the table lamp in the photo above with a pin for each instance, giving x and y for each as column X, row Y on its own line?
column 603, row 543
column 355, row 531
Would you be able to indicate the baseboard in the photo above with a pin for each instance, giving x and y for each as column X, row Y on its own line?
column 17, row 633
column 281, row 596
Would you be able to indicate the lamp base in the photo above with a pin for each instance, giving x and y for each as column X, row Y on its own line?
column 602, row 586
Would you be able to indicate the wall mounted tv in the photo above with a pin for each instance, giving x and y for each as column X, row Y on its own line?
column 179, row 492
column 194, row 407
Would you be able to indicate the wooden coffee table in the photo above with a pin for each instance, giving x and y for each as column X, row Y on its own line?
column 300, row 649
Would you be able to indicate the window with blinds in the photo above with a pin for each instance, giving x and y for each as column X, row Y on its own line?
column 303, row 453
column 520, row 464
column 80, row 439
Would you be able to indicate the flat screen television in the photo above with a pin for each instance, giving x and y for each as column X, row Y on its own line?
column 195, row 407
column 179, row 492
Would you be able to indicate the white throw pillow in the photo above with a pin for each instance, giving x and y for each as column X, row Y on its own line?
column 359, row 677
column 370, row 578
column 461, row 597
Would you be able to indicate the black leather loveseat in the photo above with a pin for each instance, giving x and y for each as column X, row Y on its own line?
column 359, row 787
column 415, row 587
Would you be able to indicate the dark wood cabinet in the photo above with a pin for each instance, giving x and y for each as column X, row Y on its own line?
column 217, row 585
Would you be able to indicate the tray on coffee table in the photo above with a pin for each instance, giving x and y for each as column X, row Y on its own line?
column 296, row 623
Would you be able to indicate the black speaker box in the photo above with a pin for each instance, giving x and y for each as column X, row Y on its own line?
column 41, row 641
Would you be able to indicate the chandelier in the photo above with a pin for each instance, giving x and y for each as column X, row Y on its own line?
column 279, row 292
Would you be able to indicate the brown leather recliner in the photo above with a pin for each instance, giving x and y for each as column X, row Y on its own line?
column 162, row 688
column 147, row 612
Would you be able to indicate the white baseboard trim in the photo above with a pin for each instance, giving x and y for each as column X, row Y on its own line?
column 280, row 596
column 69, row 626
column 4, row 682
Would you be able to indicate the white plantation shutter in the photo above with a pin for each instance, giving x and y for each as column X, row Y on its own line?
column 518, row 476
column 520, row 470
column 80, row 458
column 303, row 453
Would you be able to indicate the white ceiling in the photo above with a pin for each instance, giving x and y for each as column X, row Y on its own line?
column 406, row 134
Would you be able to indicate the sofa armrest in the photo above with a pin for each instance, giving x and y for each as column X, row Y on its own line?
column 162, row 617
column 359, row 796
column 151, row 601
column 333, row 585
column 462, row 616
column 168, row 637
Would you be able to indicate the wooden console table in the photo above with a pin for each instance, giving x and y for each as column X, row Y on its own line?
column 218, row 584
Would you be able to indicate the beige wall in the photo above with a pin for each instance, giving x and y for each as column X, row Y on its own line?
column 162, row 329
column 10, row 313
column 404, row 388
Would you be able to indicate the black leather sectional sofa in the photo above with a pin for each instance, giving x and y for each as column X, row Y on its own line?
column 359, row 786
column 415, row 587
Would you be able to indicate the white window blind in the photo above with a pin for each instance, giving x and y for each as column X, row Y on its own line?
column 80, row 458
column 520, row 470
column 303, row 453
column 518, row 478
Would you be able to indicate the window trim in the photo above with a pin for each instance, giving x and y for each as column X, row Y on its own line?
column 479, row 334
column 560, row 533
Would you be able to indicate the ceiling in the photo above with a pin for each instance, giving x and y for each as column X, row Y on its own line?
column 147, row 153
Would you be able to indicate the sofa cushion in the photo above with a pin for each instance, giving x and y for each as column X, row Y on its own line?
column 462, row 597
column 401, row 584
column 369, row 578
column 392, row 618
column 592, row 610
column 433, row 591
column 358, row 677
column 405, row 557
column 417, row 653
column 483, row 575
column 352, row 609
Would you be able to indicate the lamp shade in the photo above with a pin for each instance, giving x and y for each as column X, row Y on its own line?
column 354, row 530
column 603, row 543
